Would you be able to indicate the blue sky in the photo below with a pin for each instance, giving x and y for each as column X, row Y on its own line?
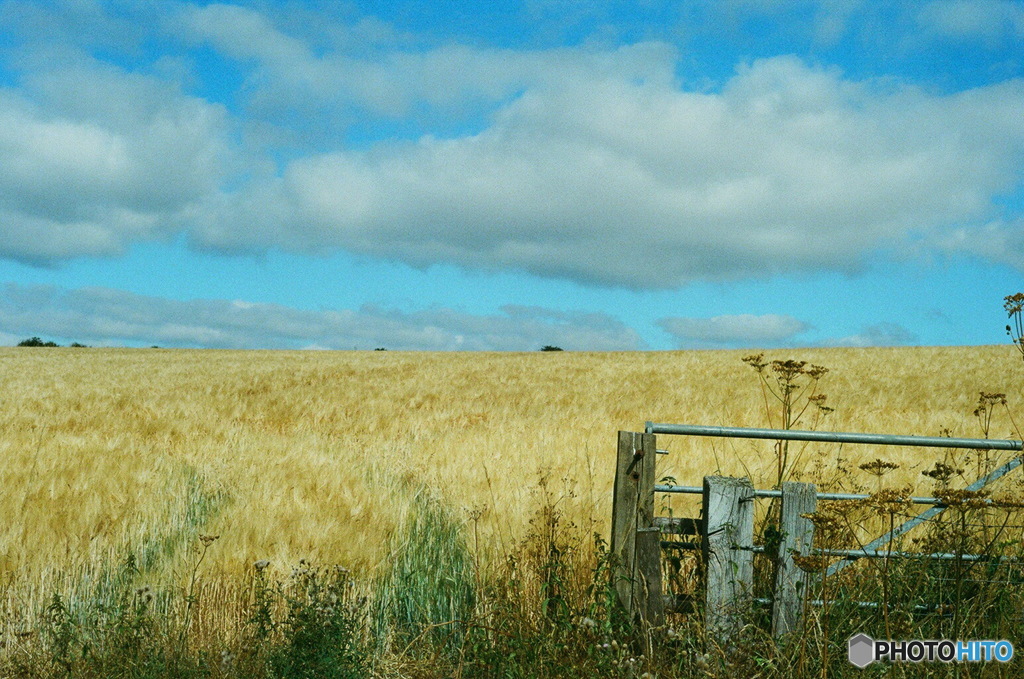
column 505, row 175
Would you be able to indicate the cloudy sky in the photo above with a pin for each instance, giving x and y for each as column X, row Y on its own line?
column 504, row 175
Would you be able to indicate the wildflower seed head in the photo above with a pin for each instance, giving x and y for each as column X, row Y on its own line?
column 888, row 501
column 1009, row 501
column 879, row 467
column 261, row 565
column 816, row 372
column 1013, row 303
column 942, row 472
column 755, row 361
column 824, row 521
column 811, row 563
column 787, row 371
column 986, row 401
column 971, row 499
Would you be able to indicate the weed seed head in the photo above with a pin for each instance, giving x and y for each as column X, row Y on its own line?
column 889, row 500
column 942, row 472
column 1013, row 303
column 755, row 361
column 812, row 563
column 1008, row 501
column 971, row 499
column 878, row 467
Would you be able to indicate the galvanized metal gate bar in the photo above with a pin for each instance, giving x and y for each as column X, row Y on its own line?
column 833, row 437
column 928, row 513
column 852, row 437
column 697, row 490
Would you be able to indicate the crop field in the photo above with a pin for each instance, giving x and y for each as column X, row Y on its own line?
column 321, row 456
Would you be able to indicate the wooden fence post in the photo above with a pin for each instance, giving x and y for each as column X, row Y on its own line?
column 728, row 510
column 791, row 583
column 636, row 542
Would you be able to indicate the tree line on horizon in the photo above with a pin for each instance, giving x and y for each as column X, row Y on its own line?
column 35, row 341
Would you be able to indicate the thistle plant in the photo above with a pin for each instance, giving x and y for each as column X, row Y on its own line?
column 192, row 598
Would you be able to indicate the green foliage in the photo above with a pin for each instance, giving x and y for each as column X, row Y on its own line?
column 550, row 347
column 122, row 636
column 323, row 632
column 261, row 623
column 36, row 342
column 60, row 634
column 549, row 611
column 428, row 586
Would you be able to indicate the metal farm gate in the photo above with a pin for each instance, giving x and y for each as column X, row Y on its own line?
column 723, row 536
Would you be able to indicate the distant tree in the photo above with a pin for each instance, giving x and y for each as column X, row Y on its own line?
column 78, row 345
column 381, row 349
column 36, row 342
column 549, row 347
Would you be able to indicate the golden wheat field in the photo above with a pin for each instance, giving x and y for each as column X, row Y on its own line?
column 315, row 455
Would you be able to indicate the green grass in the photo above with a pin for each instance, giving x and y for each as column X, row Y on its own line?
column 427, row 588
column 546, row 612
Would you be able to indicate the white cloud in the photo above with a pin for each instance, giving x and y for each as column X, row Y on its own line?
column 974, row 19
column 288, row 75
column 884, row 334
column 1000, row 241
column 67, row 25
column 741, row 331
column 829, row 19
column 95, row 158
column 584, row 163
column 606, row 181
column 103, row 316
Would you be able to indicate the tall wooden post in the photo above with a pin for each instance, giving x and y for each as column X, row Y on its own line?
column 636, row 542
column 728, row 560
column 791, row 583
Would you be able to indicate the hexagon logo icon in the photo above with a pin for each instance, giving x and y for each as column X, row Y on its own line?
column 861, row 650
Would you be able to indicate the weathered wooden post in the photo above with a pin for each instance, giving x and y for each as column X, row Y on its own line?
column 636, row 542
column 728, row 560
column 791, row 583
